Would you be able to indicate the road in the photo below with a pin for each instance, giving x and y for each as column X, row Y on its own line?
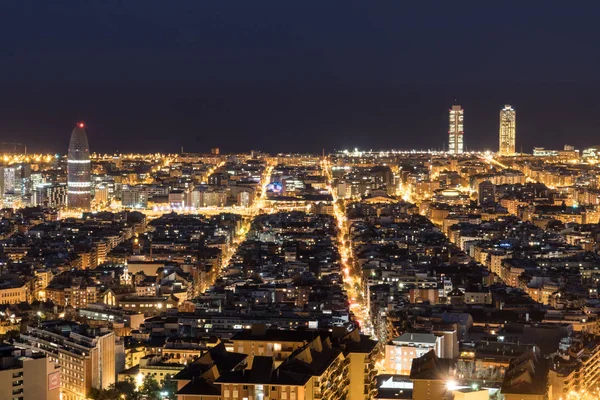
column 255, row 209
column 352, row 276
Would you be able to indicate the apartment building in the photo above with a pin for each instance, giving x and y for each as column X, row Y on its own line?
column 28, row 374
column 87, row 358
column 286, row 365
column 400, row 352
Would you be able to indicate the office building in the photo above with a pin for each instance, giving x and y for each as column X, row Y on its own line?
column 10, row 184
column 24, row 179
column 53, row 195
column 508, row 122
column 456, row 130
column 28, row 374
column 101, row 194
column 79, row 169
column 37, row 179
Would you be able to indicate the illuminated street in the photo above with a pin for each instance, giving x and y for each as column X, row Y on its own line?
column 249, row 215
column 352, row 276
column 312, row 201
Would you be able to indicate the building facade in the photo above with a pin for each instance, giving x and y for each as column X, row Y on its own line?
column 79, row 169
column 456, row 130
column 134, row 197
column 486, row 193
column 400, row 352
column 508, row 124
column 86, row 361
column 28, row 374
column 14, row 292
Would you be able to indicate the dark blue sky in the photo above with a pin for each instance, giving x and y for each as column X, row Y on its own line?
column 280, row 75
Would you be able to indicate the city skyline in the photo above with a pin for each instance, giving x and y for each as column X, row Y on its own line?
column 507, row 114
column 299, row 200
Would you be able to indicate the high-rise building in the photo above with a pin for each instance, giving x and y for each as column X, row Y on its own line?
column 24, row 178
column 101, row 194
column 37, row 179
column 10, row 186
column 79, row 169
column 456, row 130
column 508, row 124
column 10, row 180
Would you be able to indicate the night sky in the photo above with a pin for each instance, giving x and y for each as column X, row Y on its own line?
column 296, row 75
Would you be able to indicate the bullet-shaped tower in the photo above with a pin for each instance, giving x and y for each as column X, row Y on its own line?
column 79, row 170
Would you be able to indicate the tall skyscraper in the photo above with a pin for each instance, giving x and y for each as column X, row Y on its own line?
column 456, row 130
column 508, row 124
column 79, row 169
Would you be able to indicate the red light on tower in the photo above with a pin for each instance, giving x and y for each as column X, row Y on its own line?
column 81, row 124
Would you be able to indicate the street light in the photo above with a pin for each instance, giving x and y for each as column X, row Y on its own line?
column 451, row 384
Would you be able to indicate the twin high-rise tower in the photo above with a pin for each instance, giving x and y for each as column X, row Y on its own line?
column 508, row 125
column 456, row 131
column 79, row 172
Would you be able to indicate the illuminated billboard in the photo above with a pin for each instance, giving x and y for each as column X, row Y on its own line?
column 54, row 380
column 275, row 187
